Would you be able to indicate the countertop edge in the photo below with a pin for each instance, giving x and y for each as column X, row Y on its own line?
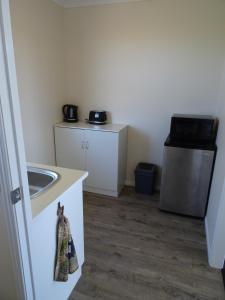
column 68, row 177
column 110, row 127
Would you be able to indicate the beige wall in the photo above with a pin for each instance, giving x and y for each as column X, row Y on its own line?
column 140, row 61
column 143, row 62
column 39, row 50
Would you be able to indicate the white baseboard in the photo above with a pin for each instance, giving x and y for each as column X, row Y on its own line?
column 207, row 241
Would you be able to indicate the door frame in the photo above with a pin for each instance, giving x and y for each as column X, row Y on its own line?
column 13, row 170
column 9, row 214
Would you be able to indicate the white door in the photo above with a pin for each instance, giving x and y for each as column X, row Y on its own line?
column 15, row 262
column 101, row 159
column 70, row 148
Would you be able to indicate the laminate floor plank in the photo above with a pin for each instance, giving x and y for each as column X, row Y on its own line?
column 133, row 251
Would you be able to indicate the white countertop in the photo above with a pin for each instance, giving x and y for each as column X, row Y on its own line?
column 87, row 126
column 67, row 178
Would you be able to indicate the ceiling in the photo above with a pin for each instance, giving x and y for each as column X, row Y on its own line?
column 79, row 3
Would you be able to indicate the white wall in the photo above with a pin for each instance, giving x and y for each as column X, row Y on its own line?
column 143, row 62
column 39, row 50
column 215, row 219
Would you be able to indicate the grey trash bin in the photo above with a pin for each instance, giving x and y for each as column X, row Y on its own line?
column 145, row 174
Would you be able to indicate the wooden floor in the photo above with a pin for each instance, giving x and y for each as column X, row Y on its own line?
column 134, row 251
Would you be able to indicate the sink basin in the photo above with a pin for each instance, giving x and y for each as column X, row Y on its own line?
column 40, row 180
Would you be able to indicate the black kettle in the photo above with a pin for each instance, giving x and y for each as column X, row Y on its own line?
column 70, row 113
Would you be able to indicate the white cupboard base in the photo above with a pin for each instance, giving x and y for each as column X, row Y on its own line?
column 44, row 244
column 100, row 150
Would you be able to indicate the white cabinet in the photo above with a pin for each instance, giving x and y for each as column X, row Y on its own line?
column 43, row 239
column 102, row 151
column 70, row 148
column 102, row 159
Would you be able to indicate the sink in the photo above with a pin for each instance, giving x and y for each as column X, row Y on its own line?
column 40, row 180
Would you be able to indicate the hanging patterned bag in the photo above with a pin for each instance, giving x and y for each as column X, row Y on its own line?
column 66, row 258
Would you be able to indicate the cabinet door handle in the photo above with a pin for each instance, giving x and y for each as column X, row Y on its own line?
column 87, row 145
column 82, row 145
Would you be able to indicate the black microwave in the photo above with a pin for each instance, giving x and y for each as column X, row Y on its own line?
column 193, row 128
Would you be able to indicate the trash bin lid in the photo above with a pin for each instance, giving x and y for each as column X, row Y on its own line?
column 142, row 166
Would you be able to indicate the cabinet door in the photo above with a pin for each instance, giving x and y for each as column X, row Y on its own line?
column 70, row 152
column 102, row 159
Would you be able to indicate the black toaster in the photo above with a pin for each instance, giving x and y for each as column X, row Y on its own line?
column 98, row 117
